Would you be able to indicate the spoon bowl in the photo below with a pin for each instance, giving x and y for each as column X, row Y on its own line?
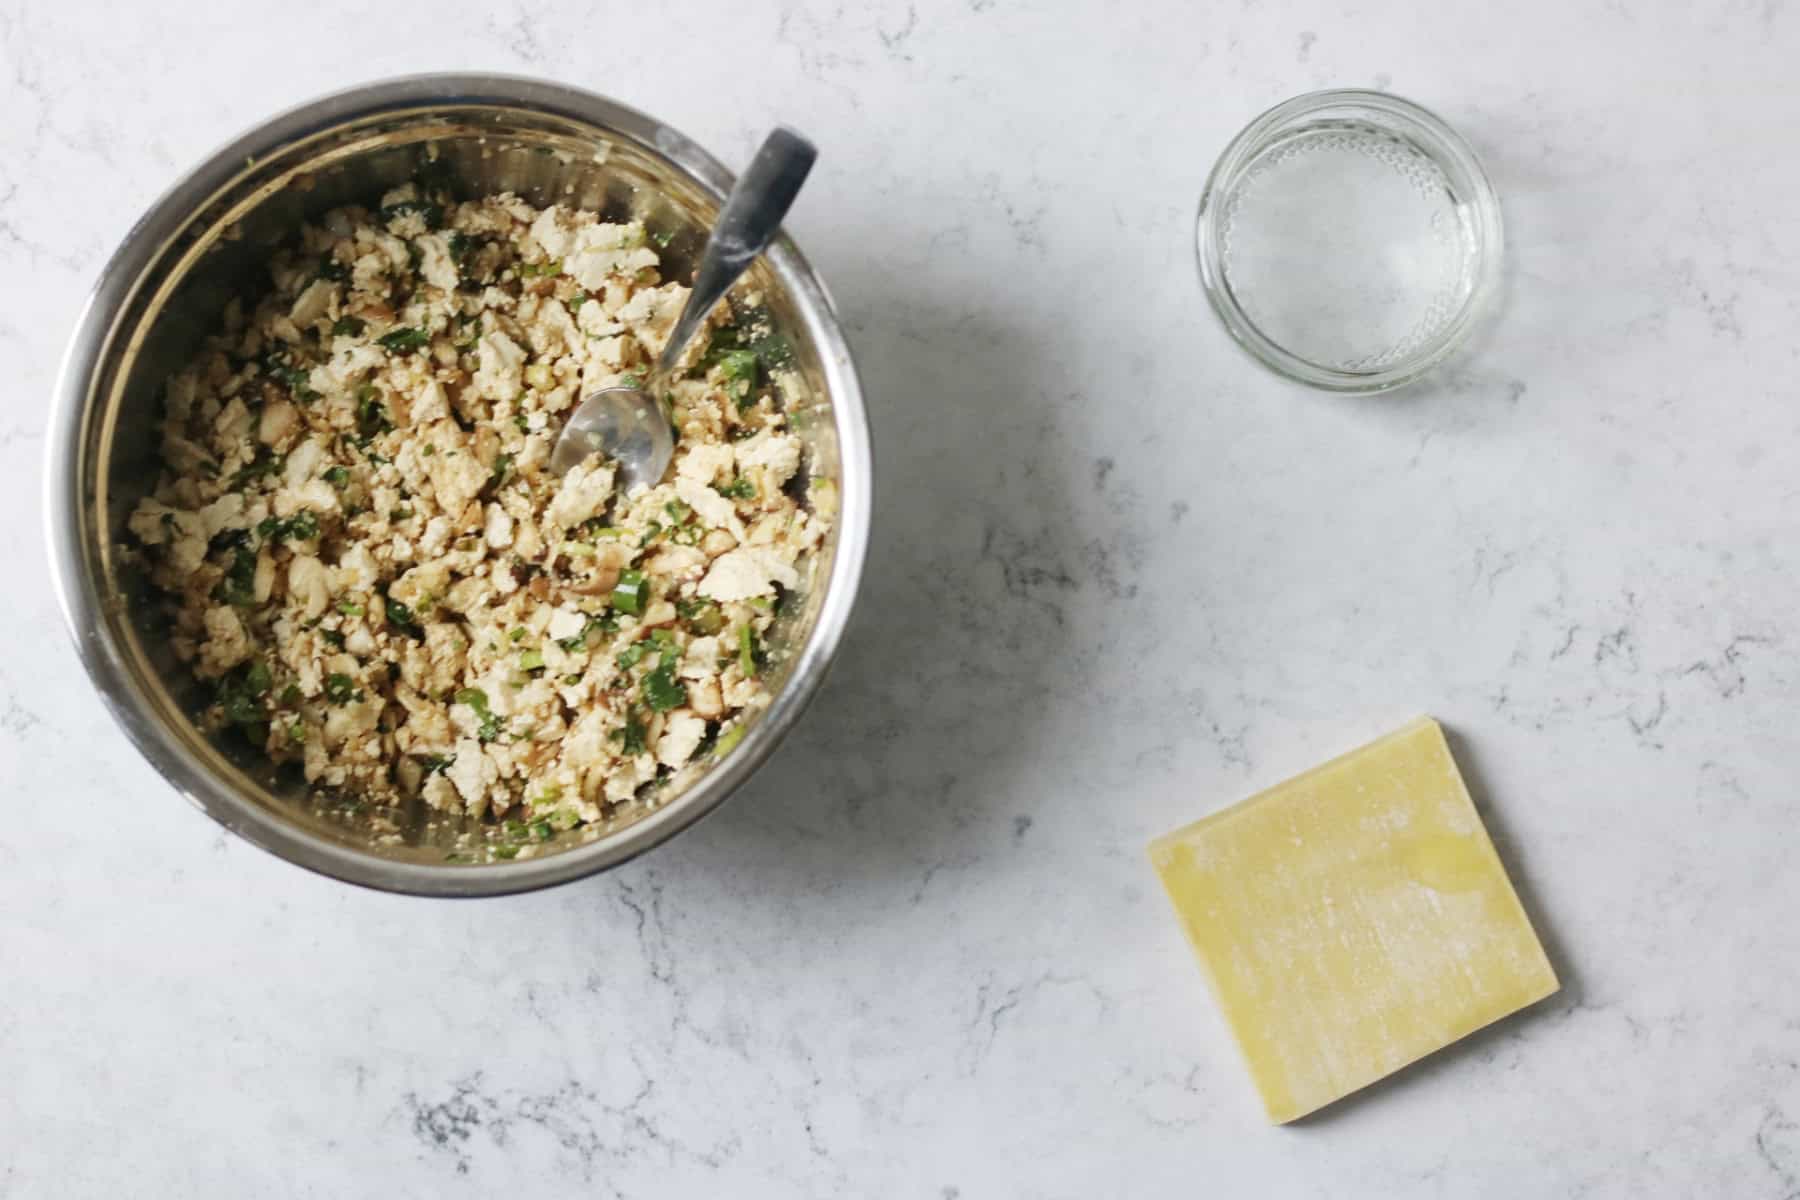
column 625, row 424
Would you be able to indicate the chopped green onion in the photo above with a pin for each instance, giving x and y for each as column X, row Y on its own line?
column 747, row 651
column 728, row 741
column 531, row 660
column 628, row 595
column 339, row 688
column 400, row 615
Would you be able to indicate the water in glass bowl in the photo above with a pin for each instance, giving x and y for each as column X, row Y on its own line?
column 1345, row 245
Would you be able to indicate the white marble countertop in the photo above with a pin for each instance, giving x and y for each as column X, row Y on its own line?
column 1121, row 577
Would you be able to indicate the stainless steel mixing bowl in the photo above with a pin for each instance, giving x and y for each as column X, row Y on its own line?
column 206, row 239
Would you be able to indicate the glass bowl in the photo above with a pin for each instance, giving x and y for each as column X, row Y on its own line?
column 1349, row 240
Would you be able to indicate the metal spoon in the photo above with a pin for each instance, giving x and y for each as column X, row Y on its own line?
column 628, row 424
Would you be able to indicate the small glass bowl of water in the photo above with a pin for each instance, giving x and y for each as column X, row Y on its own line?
column 1349, row 240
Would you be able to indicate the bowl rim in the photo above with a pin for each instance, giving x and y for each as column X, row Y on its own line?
column 1430, row 134
column 66, row 501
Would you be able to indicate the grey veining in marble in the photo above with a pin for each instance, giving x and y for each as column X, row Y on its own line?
column 923, row 954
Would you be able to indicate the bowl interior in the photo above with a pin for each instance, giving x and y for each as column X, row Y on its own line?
column 220, row 251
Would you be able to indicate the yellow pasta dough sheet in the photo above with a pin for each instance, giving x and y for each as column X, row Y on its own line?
column 1353, row 920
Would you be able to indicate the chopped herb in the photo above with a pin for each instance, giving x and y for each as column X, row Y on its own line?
column 461, row 245
column 302, row 526
column 338, row 476
column 571, row 679
column 291, row 695
column 628, row 595
column 661, row 690
column 264, row 463
column 241, row 706
column 632, row 655
column 577, row 300
column 532, row 270
column 404, row 339
column 531, row 660
column 663, row 238
column 371, row 417
column 739, row 368
column 517, row 635
column 238, row 587
column 522, row 423
column 632, row 380
column 434, row 763
column 294, row 378
column 633, row 736
column 477, row 700
column 339, row 688
column 348, row 327
column 296, row 731
column 333, row 637
column 770, row 348
column 506, row 852
column 350, row 608
column 738, row 489
column 542, row 830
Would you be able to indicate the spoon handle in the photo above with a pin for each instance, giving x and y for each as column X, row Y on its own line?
column 747, row 224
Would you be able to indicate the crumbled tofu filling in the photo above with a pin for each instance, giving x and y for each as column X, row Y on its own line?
column 366, row 558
